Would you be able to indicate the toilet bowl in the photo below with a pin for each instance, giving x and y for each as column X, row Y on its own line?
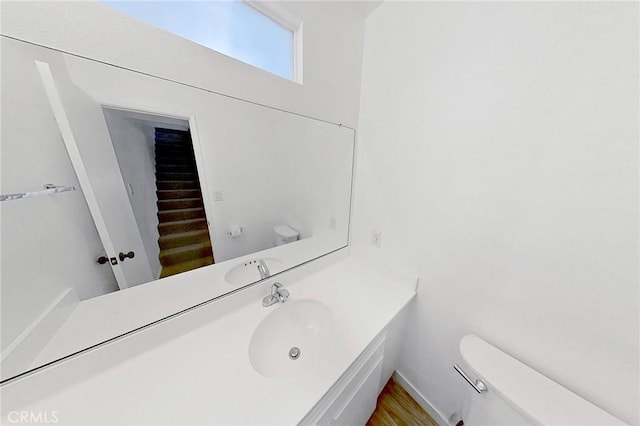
column 285, row 234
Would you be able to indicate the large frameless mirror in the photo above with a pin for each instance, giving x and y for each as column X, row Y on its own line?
column 128, row 198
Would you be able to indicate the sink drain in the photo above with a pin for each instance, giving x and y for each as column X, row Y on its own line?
column 294, row 353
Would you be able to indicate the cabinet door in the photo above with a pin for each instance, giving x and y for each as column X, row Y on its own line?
column 356, row 407
column 352, row 399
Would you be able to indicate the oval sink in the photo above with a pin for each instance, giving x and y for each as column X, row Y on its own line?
column 291, row 338
column 247, row 272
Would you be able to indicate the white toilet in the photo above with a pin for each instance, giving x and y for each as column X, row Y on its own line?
column 520, row 395
column 285, row 234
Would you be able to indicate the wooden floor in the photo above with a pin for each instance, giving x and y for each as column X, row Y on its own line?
column 397, row 408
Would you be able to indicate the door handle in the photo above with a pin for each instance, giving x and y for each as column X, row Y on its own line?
column 103, row 259
column 124, row 256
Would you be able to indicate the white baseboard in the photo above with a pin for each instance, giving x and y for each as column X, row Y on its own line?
column 421, row 399
column 17, row 356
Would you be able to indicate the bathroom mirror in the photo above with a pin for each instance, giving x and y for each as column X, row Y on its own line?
column 159, row 196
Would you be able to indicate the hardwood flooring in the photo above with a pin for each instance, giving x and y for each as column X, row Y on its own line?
column 397, row 408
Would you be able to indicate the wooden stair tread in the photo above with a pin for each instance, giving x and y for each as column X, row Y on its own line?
column 173, row 167
column 165, row 191
column 185, row 210
column 176, row 185
column 179, row 203
column 167, row 228
column 180, row 159
column 181, row 214
column 177, row 194
column 177, row 175
column 186, row 221
column 185, row 266
column 182, row 254
column 183, row 249
column 169, row 150
column 181, row 199
column 178, row 235
column 176, row 181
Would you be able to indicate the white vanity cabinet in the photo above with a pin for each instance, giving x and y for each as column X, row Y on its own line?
column 352, row 399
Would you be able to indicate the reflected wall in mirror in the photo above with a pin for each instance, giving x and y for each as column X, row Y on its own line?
column 169, row 178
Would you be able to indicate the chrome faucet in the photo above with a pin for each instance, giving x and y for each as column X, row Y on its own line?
column 263, row 270
column 278, row 294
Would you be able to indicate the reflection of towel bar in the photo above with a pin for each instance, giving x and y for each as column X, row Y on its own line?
column 479, row 386
column 48, row 189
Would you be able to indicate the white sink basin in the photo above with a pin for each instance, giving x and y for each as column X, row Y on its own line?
column 247, row 272
column 303, row 324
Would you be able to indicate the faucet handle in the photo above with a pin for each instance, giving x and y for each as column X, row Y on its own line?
column 278, row 294
column 284, row 295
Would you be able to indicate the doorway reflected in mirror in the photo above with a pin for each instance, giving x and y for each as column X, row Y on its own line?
column 157, row 163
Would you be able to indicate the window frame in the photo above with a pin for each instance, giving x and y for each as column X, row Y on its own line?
column 287, row 20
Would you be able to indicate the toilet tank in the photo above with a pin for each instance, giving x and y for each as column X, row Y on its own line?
column 285, row 234
column 519, row 395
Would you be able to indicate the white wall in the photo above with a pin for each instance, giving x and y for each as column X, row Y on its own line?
column 274, row 169
column 499, row 157
column 332, row 46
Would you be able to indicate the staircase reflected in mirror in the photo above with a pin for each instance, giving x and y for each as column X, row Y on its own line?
column 184, row 235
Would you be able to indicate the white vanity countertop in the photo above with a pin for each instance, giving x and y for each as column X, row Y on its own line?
column 118, row 312
column 204, row 376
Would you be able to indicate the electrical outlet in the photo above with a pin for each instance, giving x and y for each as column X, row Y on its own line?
column 376, row 238
column 219, row 196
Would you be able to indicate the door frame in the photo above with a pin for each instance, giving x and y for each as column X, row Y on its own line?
column 195, row 142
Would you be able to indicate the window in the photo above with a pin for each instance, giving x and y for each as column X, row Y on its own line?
column 256, row 34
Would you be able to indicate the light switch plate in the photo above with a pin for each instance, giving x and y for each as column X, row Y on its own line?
column 376, row 238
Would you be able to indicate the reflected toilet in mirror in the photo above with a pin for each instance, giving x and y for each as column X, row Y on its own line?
column 285, row 235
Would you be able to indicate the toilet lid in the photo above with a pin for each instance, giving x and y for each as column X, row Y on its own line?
column 285, row 231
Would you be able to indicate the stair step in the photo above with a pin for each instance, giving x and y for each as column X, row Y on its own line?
column 184, row 159
column 180, row 214
column 173, row 194
column 173, row 151
column 170, row 144
column 183, row 239
column 163, row 185
column 171, row 138
column 184, row 254
column 176, row 176
column 186, row 266
column 179, row 226
column 164, row 141
column 184, row 203
column 172, row 168
column 167, row 135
